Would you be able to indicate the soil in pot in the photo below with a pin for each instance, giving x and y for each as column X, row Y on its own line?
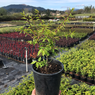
column 51, row 68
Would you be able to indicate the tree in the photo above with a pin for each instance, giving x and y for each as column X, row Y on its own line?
column 48, row 12
column 87, row 9
column 3, row 11
column 80, row 11
column 26, row 10
column 93, row 10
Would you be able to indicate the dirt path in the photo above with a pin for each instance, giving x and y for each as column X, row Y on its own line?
column 6, row 25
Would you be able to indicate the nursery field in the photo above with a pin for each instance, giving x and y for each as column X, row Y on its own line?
column 92, row 37
column 18, row 50
column 78, row 63
column 17, row 42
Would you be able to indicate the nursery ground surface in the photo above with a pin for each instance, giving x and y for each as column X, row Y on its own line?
column 12, row 75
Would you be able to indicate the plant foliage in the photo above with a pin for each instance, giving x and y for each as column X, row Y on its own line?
column 43, row 36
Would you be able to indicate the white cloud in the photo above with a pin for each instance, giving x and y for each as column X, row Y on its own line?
column 53, row 1
column 65, row 7
column 73, row 1
column 80, row 5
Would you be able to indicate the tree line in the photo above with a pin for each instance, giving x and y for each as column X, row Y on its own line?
column 14, row 14
column 87, row 9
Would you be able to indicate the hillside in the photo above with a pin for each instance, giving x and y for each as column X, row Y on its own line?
column 20, row 7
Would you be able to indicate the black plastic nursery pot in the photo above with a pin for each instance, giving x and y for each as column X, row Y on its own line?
column 90, row 80
column 83, row 78
column 47, row 84
column 71, row 74
column 77, row 76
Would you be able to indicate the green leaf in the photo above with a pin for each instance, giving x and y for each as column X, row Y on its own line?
column 39, row 59
column 30, row 42
column 33, row 62
column 66, row 36
column 23, row 18
column 37, row 64
column 43, row 53
column 42, row 63
column 39, row 52
column 72, row 35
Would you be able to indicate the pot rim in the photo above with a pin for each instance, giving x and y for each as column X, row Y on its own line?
column 52, row 73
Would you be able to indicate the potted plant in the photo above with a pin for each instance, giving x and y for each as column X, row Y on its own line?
column 47, row 72
column 90, row 77
column 94, row 77
column 77, row 75
column 83, row 74
column 72, row 71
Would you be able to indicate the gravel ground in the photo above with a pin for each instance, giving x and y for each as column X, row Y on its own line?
column 12, row 75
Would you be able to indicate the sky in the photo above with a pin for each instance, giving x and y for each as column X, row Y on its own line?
column 51, row 4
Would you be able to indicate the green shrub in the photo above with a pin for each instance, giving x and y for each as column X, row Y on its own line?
column 10, row 17
column 88, row 19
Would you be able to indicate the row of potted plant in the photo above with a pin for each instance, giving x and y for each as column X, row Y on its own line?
column 15, row 36
column 79, row 30
column 80, row 62
column 16, row 50
column 63, row 42
column 79, row 33
column 92, row 37
column 87, row 44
